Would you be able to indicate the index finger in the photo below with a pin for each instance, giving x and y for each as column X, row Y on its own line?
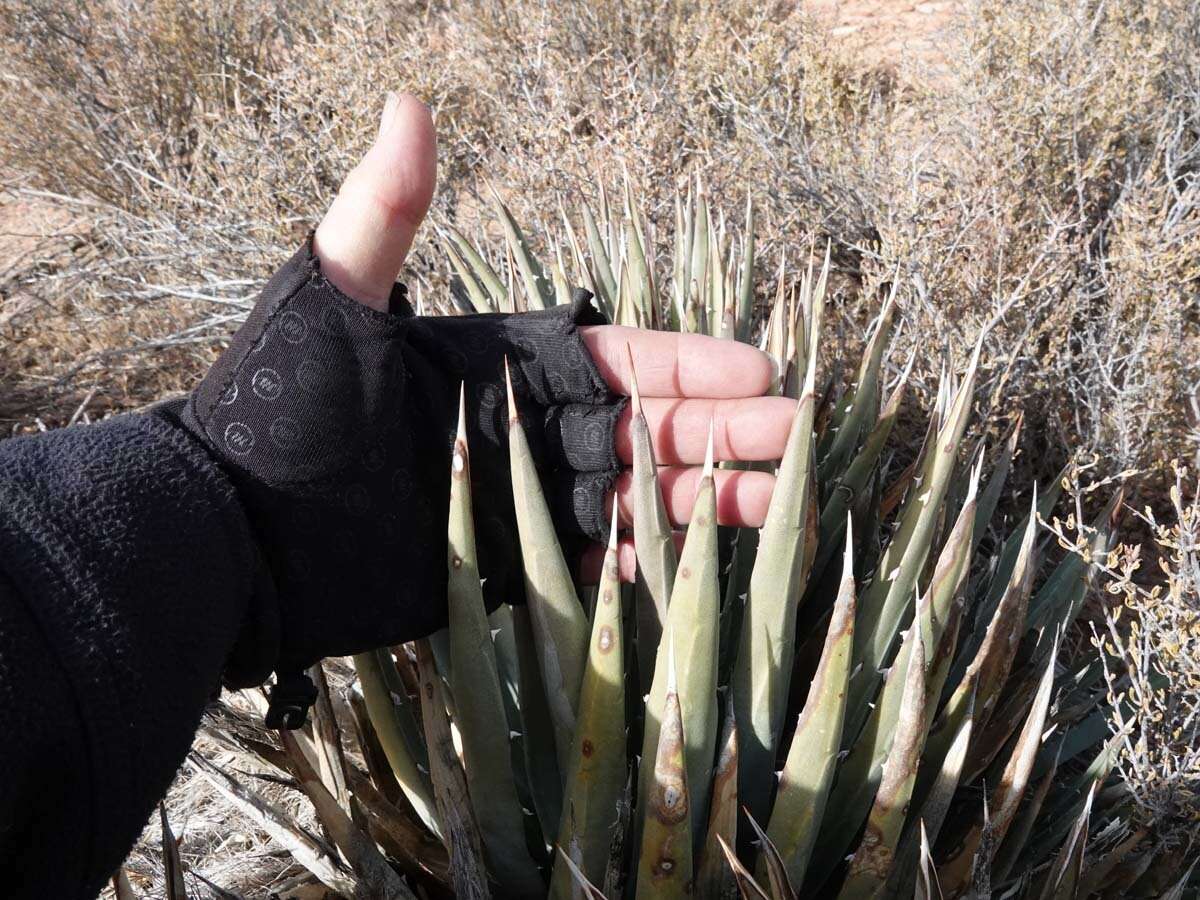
column 677, row 365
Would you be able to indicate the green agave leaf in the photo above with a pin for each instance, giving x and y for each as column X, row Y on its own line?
column 873, row 860
column 479, row 298
column 600, row 259
column 560, row 627
column 849, row 489
column 698, row 290
column 935, row 631
column 681, row 264
column 763, row 666
column 692, row 623
column 479, row 707
column 852, row 413
column 537, row 729
column 538, row 287
column 955, row 872
column 665, row 864
column 1061, row 882
column 652, row 538
column 885, row 603
column 714, row 879
column 813, row 755
column 745, row 307
column 990, row 497
column 597, row 777
column 481, row 269
column 392, row 718
column 461, row 834
column 777, row 876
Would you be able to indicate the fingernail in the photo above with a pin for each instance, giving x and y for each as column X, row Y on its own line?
column 389, row 112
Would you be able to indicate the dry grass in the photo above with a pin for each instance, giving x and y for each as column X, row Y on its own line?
column 1044, row 178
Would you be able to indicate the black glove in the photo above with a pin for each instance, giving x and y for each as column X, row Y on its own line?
column 335, row 423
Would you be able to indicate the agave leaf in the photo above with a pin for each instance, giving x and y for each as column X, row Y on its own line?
column 745, row 310
column 698, row 281
column 692, row 622
column 927, row 887
column 481, row 270
column 461, row 834
column 772, row 862
column 714, row 880
column 122, row 889
column 681, row 264
column 1061, row 882
column 813, row 755
column 307, row 849
column 1176, row 891
column 391, row 716
column 598, row 773
column 747, row 887
column 885, row 602
column 857, row 478
column 1023, row 826
column 600, row 257
column 562, row 284
column 172, row 865
column 400, row 835
column 990, row 668
column 580, row 885
column 873, row 860
column 935, row 630
column 912, row 854
column 857, row 406
column 560, row 627
column 1005, row 800
column 376, row 878
column 537, row 737
column 538, row 287
column 652, row 538
column 1059, row 600
column 479, row 707
column 665, row 864
column 480, row 301
column 763, row 666
column 327, row 740
column 990, row 496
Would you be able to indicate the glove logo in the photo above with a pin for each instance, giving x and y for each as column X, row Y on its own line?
column 284, row 432
column 229, row 395
column 267, row 384
column 293, row 327
column 239, row 438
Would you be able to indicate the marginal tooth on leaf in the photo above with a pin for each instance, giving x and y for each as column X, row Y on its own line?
column 635, row 397
column 513, row 412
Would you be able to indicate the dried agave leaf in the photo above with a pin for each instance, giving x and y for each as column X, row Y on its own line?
column 773, row 864
column 461, row 834
column 747, row 887
column 172, row 864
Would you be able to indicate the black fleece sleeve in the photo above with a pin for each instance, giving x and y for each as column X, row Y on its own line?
column 127, row 570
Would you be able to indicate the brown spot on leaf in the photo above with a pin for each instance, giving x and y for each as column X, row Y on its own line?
column 587, row 747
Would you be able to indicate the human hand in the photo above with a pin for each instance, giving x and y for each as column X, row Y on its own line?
column 685, row 380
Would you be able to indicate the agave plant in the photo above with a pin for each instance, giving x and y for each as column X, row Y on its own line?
column 863, row 698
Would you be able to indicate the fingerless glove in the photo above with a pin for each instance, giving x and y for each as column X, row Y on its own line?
column 335, row 423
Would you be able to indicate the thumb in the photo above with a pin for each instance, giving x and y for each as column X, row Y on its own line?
column 366, row 234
